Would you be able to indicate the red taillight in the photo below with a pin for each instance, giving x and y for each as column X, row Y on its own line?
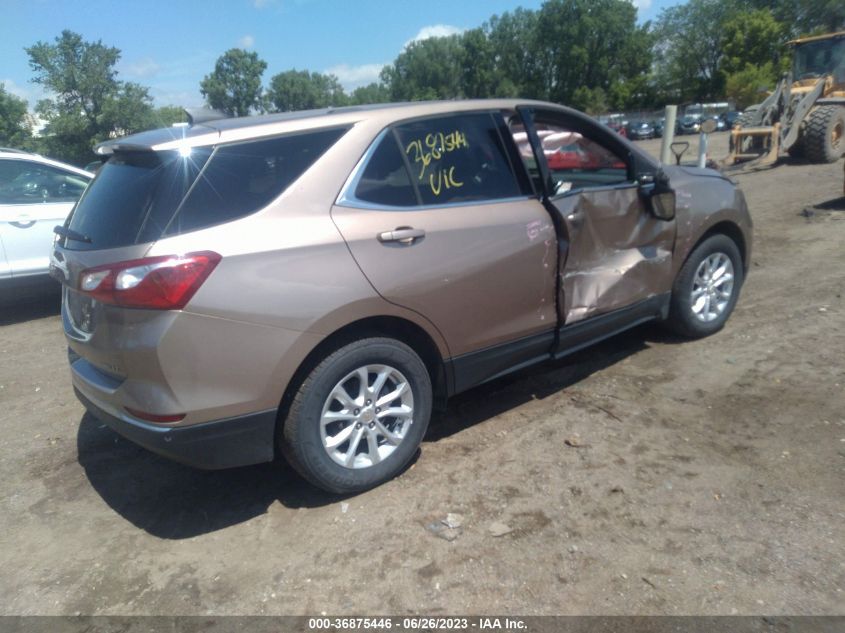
column 155, row 283
column 154, row 417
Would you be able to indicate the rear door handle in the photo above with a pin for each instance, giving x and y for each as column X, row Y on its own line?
column 22, row 222
column 403, row 234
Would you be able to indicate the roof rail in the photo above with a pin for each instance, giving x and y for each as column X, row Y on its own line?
column 201, row 115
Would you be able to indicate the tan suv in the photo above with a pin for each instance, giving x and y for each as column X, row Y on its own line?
column 314, row 282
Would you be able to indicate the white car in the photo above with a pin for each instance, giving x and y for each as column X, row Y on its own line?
column 36, row 194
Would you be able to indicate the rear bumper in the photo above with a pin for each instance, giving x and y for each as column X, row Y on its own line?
column 238, row 441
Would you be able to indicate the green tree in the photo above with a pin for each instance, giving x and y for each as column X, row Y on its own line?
column 371, row 93
column 479, row 76
column 15, row 130
column 818, row 16
column 427, row 69
column 130, row 110
column 234, row 87
column 690, row 49
column 513, row 38
column 588, row 43
column 88, row 103
column 804, row 17
column 750, row 85
column 303, row 90
column 589, row 100
column 753, row 38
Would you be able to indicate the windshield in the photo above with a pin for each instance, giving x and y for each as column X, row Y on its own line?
column 817, row 59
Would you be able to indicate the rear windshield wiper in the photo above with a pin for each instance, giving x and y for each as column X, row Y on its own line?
column 70, row 234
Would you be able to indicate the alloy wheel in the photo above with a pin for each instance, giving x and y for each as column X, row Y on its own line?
column 366, row 416
column 712, row 287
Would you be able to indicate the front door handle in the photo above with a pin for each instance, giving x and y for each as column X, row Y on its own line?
column 403, row 234
column 22, row 222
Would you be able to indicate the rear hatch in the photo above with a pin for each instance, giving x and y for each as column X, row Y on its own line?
column 117, row 299
column 131, row 204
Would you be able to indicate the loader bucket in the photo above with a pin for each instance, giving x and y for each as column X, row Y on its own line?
column 753, row 146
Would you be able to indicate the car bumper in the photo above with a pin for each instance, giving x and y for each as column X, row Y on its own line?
column 237, row 441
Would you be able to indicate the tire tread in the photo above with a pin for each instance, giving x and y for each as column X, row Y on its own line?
column 816, row 134
column 680, row 320
column 293, row 442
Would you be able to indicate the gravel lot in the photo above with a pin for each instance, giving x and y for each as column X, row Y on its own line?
column 644, row 476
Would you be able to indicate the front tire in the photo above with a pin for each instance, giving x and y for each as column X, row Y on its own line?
column 706, row 288
column 359, row 417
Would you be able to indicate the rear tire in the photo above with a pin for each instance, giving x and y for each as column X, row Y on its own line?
column 824, row 134
column 750, row 144
column 706, row 289
column 747, row 118
column 343, row 432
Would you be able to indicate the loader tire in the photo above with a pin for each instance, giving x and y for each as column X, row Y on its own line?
column 824, row 135
column 749, row 144
column 746, row 118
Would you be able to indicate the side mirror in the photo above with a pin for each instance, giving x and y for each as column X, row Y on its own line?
column 708, row 126
column 663, row 205
column 658, row 195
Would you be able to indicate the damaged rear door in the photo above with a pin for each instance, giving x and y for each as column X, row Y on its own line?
column 615, row 253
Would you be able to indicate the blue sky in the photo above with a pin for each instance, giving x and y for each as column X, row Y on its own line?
column 170, row 46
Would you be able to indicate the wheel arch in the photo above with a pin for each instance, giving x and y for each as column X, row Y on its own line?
column 731, row 230
column 398, row 328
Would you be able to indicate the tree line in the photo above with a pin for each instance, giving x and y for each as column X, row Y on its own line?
column 589, row 54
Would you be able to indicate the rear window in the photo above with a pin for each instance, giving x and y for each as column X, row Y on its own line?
column 140, row 197
column 385, row 179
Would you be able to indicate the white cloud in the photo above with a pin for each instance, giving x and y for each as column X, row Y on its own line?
column 13, row 88
column 435, row 30
column 146, row 67
column 247, row 41
column 260, row 4
column 642, row 5
column 32, row 93
column 174, row 96
column 352, row 77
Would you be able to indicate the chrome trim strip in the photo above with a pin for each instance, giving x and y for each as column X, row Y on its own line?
column 347, row 192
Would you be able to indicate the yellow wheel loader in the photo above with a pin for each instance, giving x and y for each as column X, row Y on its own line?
column 805, row 115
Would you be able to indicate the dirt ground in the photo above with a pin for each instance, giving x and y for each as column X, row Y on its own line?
column 644, row 476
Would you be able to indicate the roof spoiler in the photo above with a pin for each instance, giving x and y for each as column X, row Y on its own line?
column 201, row 115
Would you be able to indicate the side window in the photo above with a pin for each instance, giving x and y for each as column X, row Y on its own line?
column 458, row 158
column 25, row 182
column 385, row 179
column 65, row 186
column 241, row 178
column 575, row 161
column 10, row 171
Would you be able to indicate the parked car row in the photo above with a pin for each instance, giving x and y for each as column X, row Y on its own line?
column 691, row 124
column 637, row 129
column 640, row 130
column 36, row 194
